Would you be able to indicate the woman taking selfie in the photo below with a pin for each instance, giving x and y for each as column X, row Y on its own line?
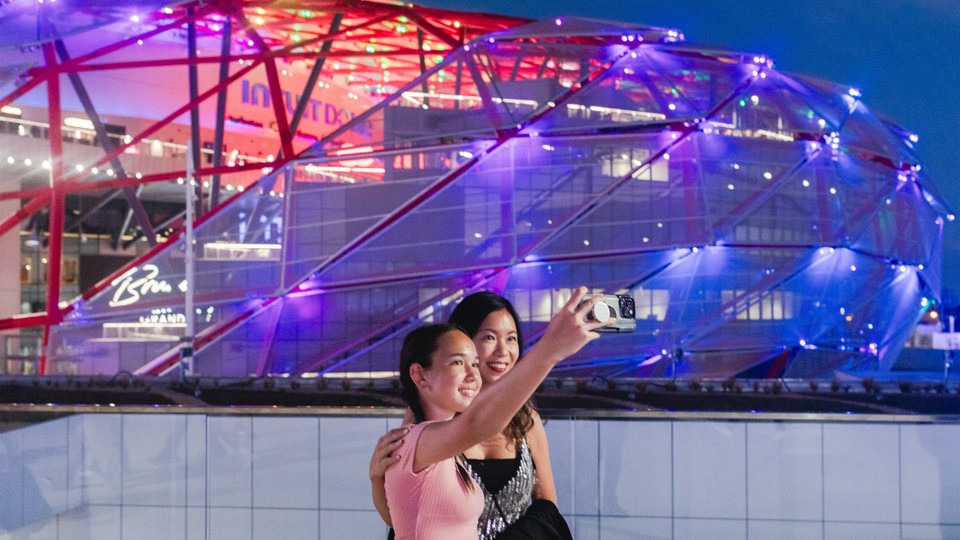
column 429, row 489
column 512, row 468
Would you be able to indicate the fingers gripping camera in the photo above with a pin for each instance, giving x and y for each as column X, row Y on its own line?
column 618, row 307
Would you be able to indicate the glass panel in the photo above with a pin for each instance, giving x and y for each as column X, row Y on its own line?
column 895, row 224
column 526, row 77
column 768, row 192
column 446, row 106
column 654, row 205
column 862, row 307
column 333, row 204
column 648, row 86
column 25, row 27
column 565, row 28
column 774, row 107
column 242, row 351
column 467, row 223
column 238, row 253
column 863, row 132
column 355, row 331
column 696, row 81
column 475, row 92
column 562, row 195
column 132, row 339
column 830, row 100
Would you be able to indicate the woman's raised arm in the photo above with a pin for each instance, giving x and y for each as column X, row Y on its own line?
column 492, row 409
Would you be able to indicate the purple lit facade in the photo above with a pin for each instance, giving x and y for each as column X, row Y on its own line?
column 763, row 222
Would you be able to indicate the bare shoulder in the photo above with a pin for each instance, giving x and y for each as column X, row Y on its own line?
column 538, row 424
column 544, row 487
column 537, row 435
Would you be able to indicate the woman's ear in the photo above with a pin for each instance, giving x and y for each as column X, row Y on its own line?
column 417, row 376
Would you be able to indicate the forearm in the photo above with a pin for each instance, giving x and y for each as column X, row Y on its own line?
column 493, row 408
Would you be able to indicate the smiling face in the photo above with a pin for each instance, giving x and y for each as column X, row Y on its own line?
column 452, row 380
column 497, row 345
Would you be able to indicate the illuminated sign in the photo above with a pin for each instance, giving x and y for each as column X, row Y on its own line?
column 164, row 318
column 139, row 282
column 255, row 97
column 316, row 110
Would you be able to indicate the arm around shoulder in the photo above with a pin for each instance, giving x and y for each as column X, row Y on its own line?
column 385, row 454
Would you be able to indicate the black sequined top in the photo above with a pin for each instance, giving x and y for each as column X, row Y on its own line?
column 507, row 486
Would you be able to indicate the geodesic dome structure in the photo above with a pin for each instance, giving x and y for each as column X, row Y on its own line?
column 763, row 222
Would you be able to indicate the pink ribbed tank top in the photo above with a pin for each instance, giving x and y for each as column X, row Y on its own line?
column 433, row 504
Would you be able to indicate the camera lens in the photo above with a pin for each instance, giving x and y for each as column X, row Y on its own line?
column 627, row 307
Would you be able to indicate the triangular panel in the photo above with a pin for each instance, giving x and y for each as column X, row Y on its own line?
column 864, row 133
column 892, row 230
column 636, row 91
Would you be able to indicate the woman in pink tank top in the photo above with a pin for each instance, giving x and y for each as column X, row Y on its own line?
column 429, row 490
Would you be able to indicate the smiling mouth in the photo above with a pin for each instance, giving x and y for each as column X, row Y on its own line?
column 498, row 367
column 468, row 392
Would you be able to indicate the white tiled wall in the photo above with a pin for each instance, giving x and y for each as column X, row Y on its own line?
column 861, row 473
column 11, row 480
column 930, row 461
column 35, row 475
column 102, row 467
column 709, row 473
column 286, row 471
column 229, row 462
column 168, row 476
column 636, row 469
column 785, row 475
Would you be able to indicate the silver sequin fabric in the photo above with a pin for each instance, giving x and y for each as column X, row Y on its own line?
column 513, row 499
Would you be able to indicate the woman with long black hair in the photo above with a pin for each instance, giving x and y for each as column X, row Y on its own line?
column 510, row 468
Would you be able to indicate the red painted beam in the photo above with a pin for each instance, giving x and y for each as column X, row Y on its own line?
column 170, row 62
column 57, row 207
column 40, row 200
column 27, row 320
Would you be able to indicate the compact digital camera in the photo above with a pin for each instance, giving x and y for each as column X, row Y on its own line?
column 617, row 307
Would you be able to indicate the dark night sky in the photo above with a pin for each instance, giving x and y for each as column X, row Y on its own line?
column 904, row 56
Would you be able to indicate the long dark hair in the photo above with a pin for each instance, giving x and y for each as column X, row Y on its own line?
column 469, row 315
column 418, row 348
